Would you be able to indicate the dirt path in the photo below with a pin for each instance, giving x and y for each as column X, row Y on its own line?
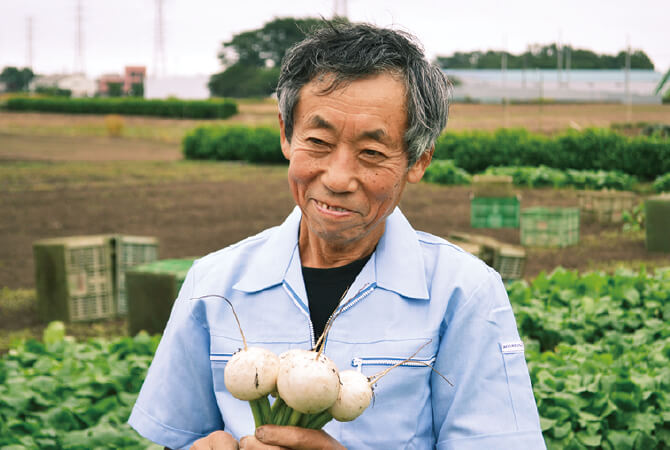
column 84, row 148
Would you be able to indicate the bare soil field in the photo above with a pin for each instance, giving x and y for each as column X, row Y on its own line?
column 62, row 176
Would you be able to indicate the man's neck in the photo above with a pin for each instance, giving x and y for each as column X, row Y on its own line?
column 319, row 254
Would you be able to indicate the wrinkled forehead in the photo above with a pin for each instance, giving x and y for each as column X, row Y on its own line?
column 326, row 82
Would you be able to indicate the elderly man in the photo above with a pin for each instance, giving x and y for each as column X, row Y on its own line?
column 360, row 110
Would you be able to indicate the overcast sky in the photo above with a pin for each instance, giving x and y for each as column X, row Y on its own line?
column 122, row 32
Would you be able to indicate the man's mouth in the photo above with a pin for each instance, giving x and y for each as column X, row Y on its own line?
column 330, row 208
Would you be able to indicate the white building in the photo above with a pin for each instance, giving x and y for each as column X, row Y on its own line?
column 77, row 83
column 191, row 87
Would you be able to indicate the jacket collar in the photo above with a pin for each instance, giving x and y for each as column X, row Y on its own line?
column 396, row 265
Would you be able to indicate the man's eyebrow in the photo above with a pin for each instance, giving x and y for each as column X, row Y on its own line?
column 319, row 122
column 380, row 135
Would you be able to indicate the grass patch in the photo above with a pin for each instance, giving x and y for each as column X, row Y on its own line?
column 19, row 320
column 41, row 176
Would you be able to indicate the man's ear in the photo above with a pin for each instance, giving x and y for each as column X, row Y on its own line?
column 285, row 144
column 416, row 172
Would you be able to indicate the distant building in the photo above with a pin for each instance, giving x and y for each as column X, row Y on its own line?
column 133, row 75
column 105, row 80
column 78, row 84
column 192, row 87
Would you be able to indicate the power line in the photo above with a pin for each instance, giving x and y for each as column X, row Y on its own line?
column 29, row 42
column 159, row 41
column 79, row 41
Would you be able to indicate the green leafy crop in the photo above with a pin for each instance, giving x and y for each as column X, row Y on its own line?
column 599, row 357
column 68, row 395
column 598, row 351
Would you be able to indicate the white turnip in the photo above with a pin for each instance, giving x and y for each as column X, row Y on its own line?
column 307, row 381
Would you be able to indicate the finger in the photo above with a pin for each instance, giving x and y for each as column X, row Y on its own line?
column 296, row 438
column 251, row 443
column 218, row 440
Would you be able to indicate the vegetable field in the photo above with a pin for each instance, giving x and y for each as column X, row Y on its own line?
column 598, row 349
column 597, row 336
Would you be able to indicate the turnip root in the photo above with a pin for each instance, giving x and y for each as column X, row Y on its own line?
column 307, row 381
column 251, row 373
column 354, row 396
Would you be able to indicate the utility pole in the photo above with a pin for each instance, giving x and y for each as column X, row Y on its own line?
column 628, row 99
column 503, row 63
column 159, row 41
column 340, row 8
column 78, row 42
column 559, row 58
column 29, row 42
column 568, row 60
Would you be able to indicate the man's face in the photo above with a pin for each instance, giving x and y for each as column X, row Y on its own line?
column 348, row 165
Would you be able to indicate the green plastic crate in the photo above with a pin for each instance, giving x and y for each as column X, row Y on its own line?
column 151, row 290
column 74, row 278
column 131, row 251
column 657, row 223
column 494, row 212
column 549, row 227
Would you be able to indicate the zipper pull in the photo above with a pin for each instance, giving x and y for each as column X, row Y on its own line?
column 358, row 363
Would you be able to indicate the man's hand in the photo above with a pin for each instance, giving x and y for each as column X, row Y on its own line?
column 219, row 440
column 273, row 437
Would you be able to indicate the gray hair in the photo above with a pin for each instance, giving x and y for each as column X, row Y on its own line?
column 350, row 52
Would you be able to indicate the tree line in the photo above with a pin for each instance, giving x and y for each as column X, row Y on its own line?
column 545, row 57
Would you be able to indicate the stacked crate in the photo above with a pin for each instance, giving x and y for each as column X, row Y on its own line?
column 507, row 259
column 151, row 289
column 74, row 278
column 605, row 206
column 510, row 261
column 81, row 278
column 657, row 223
column 494, row 203
column 549, row 227
column 131, row 251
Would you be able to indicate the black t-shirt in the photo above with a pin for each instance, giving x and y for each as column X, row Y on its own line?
column 325, row 288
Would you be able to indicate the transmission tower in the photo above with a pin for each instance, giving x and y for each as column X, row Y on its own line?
column 159, row 41
column 79, row 41
column 29, row 42
column 340, row 8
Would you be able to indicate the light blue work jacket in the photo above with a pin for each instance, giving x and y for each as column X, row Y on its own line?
column 415, row 288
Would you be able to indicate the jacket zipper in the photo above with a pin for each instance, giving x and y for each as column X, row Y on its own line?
column 359, row 362
column 361, row 295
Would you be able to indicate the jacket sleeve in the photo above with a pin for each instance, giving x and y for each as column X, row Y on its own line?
column 176, row 404
column 491, row 404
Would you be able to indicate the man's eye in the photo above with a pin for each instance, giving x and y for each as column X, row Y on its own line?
column 372, row 153
column 317, row 141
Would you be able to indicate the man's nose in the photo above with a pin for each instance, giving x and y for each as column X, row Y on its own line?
column 339, row 175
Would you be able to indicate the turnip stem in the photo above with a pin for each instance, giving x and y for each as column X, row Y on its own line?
column 256, row 412
column 264, row 404
column 294, row 418
column 276, row 410
column 319, row 420
column 305, row 420
column 284, row 415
